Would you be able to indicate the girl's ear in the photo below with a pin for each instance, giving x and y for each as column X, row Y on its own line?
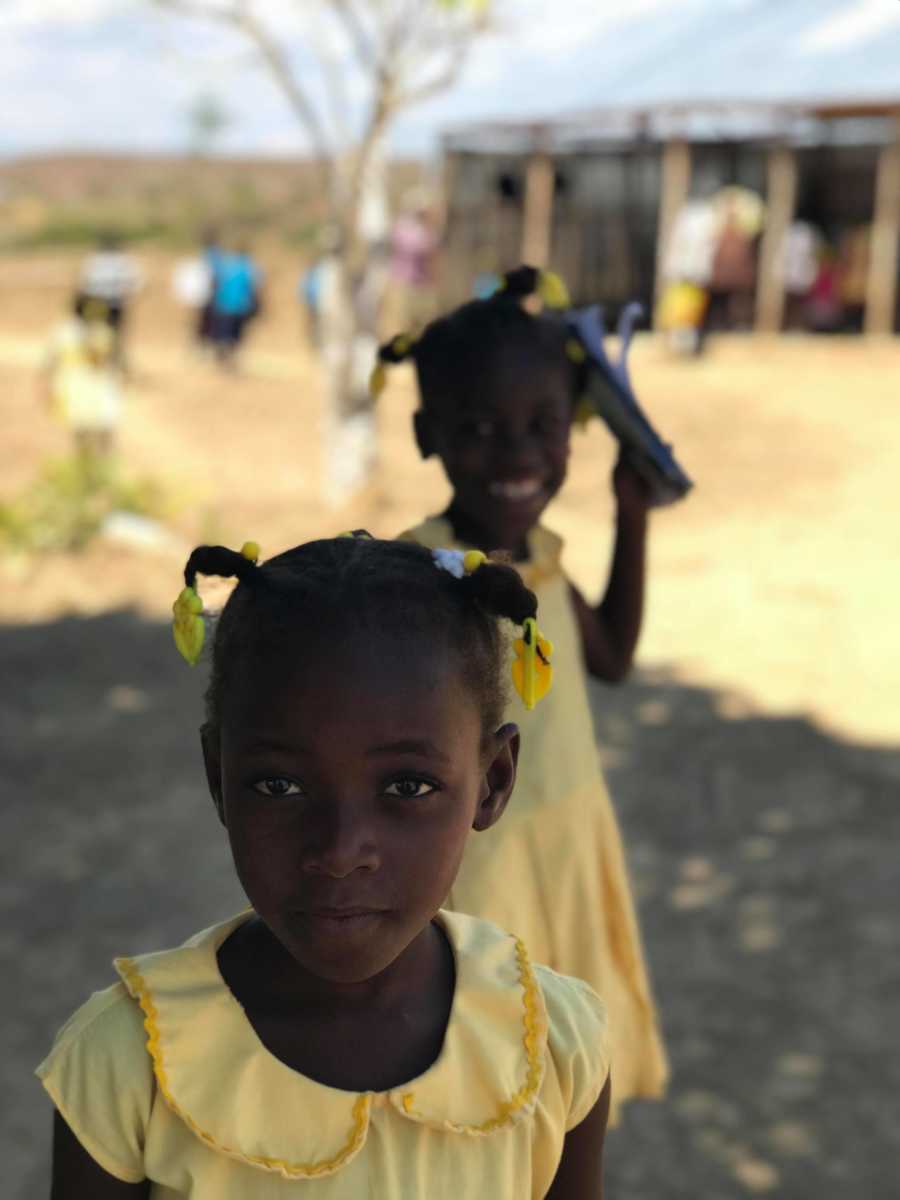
column 499, row 777
column 213, row 762
column 423, row 433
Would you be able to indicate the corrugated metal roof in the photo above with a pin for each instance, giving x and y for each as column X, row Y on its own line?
column 747, row 65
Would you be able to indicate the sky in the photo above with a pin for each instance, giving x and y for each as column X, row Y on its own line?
column 118, row 75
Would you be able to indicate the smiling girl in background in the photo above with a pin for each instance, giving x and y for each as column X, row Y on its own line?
column 499, row 389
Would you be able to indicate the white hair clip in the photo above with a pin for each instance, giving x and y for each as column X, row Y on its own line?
column 458, row 562
column 453, row 561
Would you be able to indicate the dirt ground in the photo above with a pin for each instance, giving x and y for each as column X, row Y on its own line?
column 754, row 758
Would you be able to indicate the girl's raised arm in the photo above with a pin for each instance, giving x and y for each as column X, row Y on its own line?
column 76, row 1175
column 610, row 632
column 580, row 1172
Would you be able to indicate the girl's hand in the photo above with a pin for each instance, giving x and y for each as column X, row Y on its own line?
column 631, row 492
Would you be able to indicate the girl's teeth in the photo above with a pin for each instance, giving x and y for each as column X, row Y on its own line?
column 516, row 491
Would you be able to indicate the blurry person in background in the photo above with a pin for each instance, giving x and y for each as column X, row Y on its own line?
column 800, row 257
column 112, row 278
column 413, row 264
column 732, row 280
column 686, row 270
column 824, row 307
column 84, row 379
column 194, row 283
column 212, row 259
column 236, row 301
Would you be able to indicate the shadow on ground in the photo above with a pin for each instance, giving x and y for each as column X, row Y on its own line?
column 764, row 859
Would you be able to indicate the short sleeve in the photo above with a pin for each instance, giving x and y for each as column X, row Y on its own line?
column 577, row 1042
column 100, row 1077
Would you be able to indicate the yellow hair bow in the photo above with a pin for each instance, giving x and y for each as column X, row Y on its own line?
column 575, row 352
column 552, row 290
column 531, row 670
column 584, row 413
column 377, row 380
column 187, row 625
column 188, row 629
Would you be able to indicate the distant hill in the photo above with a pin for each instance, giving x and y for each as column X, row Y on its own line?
column 61, row 200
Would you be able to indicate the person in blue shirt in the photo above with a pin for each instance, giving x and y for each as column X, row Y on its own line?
column 236, row 300
column 211, row 258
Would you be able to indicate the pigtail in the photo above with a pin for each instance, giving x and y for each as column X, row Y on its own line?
column 526, row 281
column 400, row 348
column 498, row 590
column 519, row 284
column 219, row 560
column 188, row 628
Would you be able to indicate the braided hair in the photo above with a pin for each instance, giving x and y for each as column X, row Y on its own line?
column 339, row 586
column 450, row 354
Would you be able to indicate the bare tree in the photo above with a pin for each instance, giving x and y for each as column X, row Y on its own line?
column 319, row 52
column 207, row 118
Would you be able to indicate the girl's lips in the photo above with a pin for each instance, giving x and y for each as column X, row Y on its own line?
column 341, row 917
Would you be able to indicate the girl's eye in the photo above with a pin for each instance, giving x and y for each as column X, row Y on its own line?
column 409, row 788
column 276, row 786
column 477, row 429
column 548, row 424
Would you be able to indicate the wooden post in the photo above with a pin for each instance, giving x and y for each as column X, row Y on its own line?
column 537, row 224
column 881, row 285
column 781, row 197
column 675, row 188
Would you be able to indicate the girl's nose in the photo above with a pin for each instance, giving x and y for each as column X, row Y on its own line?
column 518, row 446
column 344, row 843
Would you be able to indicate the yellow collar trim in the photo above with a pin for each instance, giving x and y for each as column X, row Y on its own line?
column 485, row 956
column 139, row 990
column 533, row 1028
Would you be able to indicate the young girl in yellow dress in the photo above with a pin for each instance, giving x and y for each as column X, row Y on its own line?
column 498, row 390
column 346, row 1037
column 84, row 378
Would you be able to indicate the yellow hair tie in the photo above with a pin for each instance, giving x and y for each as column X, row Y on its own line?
column 552, row 290
column 575, row 352
column 403, row 343
column 472, row 560
column 187, row 625
column 250, row 550
column 584, row 413
column 531, row 670
column 377, row 380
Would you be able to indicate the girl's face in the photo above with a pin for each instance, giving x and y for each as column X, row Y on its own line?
column 504, row 445
column 348, row 782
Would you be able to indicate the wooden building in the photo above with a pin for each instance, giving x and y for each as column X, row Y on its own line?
column 596, row 194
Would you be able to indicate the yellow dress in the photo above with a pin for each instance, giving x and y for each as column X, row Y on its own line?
column 553, row 870
column 85, row 386
column 162, row 1077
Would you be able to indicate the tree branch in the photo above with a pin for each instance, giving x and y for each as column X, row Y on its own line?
column 363, row 45
column 440, row 81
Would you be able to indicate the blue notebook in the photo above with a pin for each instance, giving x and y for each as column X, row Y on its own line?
column 609, row 390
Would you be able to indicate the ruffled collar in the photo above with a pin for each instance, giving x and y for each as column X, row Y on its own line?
column 213, row 1070
column 544, row 548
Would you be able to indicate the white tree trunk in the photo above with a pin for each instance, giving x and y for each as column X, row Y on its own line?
column 351, row 306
